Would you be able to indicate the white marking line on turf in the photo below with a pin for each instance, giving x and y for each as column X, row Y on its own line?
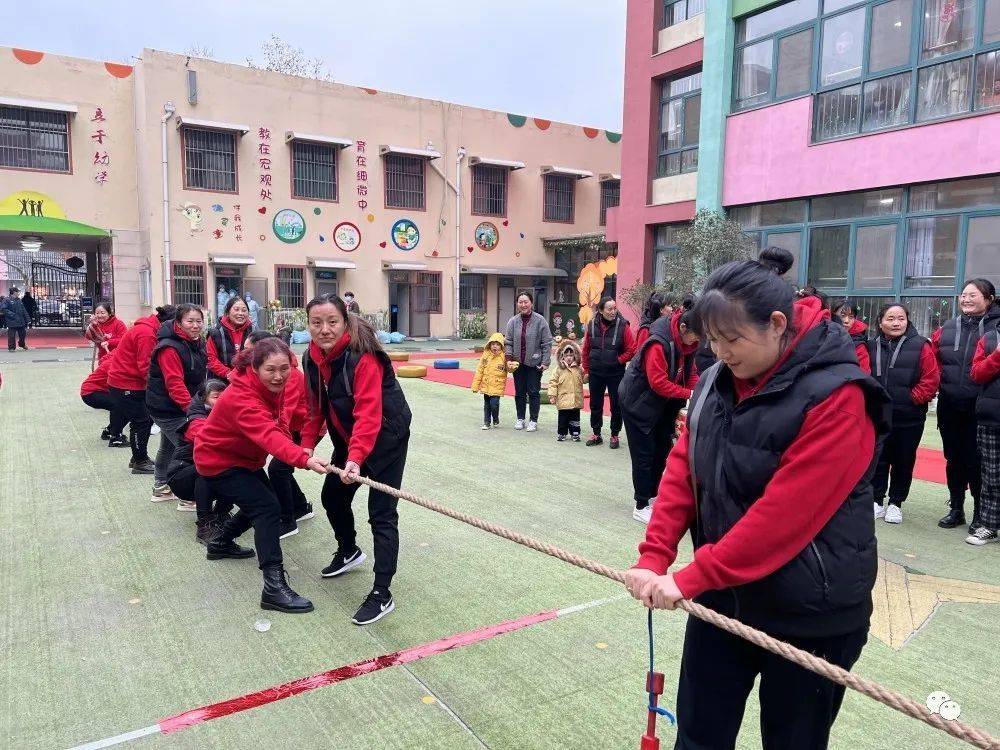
column 155, row 728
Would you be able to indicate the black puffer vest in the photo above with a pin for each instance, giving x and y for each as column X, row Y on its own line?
column 195, row 362
column 988, row 403
column 338, row 395
column 184, row 450
column 641, row 405
column 736, row 449
column 955, row 350
column 896, row 365
column 225, row 347
column 607, row 343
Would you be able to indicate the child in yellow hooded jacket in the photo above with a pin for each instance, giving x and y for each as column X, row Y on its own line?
column 566, row 390
column 491, row 379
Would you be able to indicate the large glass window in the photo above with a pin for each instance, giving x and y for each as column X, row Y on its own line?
column 680, row 121
column 829, row 249
column 769, row 214
column 664, row 242
column 982, row 255
column 874, row 251
column 676, row 11
column 857, row 205
column 931, row 251
column 876, row 64
column 958, row 194
column 34, row 139
column 790, row 241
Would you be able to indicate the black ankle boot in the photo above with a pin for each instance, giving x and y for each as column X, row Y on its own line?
column 278, row 595
column 221, row 548
column 206, row 530
column 954, row 519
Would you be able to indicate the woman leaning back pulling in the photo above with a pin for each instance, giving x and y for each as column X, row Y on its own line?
column 773, row 478
column 230, row 452
column 353, row 392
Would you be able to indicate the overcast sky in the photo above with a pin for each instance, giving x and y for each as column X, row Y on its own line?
column 558, row 59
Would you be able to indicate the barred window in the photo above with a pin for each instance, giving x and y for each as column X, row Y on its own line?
column 472, row 292
column 34, row 139
column 404, row 181
column 431, row 281
column 489, row 190
column 189, row 284
column 610, row 197
column 559, row 193
column 291, row 283
column 209, row 160
column 314, row 171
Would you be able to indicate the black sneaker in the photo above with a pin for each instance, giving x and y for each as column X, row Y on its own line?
column 376, row 605
column 105, row 434
column 614, row 442
column 287, row 528
column 118, row 441
column 595, row 440
column 143, row 467
column 304, row 513
column 576, row 438
column 561, row 438
column 222, row 549
column 343, row 562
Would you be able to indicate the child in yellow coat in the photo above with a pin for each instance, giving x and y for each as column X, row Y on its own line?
column 566, row 390
column 491, row 379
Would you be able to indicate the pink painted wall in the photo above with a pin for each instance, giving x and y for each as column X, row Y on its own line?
column 641, row 116
column 769, row 156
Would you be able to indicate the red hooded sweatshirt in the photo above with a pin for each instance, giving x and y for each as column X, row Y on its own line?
column 654, row 364
column 367, row 403
column 112, row 327
column 985, row 368
column 97, row 381
column 242, row 429
column 173, row 372
column 130, row 367
column 861, row 349
column 817, row 472
column 215, row 365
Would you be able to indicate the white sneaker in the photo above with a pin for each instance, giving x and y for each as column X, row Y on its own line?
column 642, row 515
column 893, row 514
column 982, row 536
column 155, row 430
column 519, row 424
column 485, row 427
column 879, row 511
column 532, row 426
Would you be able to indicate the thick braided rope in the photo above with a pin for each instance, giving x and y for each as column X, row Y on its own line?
column 907, row 706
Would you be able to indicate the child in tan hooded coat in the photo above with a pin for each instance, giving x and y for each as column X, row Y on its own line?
column 566, row 390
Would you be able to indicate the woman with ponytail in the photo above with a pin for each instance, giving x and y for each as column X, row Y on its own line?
column 659, row 305
column 773, row 479
column 230, row 452
column 354, row 395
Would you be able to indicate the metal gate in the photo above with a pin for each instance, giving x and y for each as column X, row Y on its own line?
column 59, row 292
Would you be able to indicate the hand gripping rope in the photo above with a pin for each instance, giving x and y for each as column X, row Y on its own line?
column 907, row 706
column 654, row 686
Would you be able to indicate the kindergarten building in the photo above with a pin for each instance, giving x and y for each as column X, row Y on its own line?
column 860, row 135
column 182, row 179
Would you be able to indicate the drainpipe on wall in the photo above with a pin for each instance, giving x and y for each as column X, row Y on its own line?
column 168, row 112
column 458, row 238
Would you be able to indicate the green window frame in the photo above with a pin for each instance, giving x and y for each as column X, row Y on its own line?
column 679, row 11
column 680, row 94
column 953, row 44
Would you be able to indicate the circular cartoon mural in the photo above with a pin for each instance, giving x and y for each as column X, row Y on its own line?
column 405, row 234
column 487, row 236
column 288, row 225
column 347, row 236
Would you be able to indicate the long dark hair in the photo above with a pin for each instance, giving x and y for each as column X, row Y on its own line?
column 985, row 287
column 232, row 301
column 656, row 302
column 363, row 337
column 256, row 356
column 746, row 291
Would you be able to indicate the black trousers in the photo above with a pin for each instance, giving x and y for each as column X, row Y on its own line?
column 648, row 451
column 382, row 515
column 958, row 436
column 797, row 707
column 290, row 495
column 894, row 470
column 569, row 422
column 598, row 385
column 193, row 487
column 527, row 383
column 104, row 401
column 491, row 409
column 132, row 405
column 19, row 334
column 251, row 492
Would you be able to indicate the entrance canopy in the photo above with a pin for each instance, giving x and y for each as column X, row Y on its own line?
column 516, row 271
column 40, row 225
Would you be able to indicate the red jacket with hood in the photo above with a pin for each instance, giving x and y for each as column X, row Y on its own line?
column 824, row 463
column 654, row 364
column 97, row 381
column 859, row 328
column 130, row 367
column 243, row 429
column 112, row 327
column 295, row 409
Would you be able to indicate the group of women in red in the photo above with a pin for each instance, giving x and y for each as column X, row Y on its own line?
column 224, row 407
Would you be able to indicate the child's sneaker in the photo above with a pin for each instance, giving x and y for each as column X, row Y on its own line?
column 576, row 438
column 485, row 427
column 519, row 424
column 561, row 438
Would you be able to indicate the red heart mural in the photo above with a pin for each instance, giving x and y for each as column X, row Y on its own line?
column 382, row 243
column 262, row 210
column 506, row 223
column 469, row 249
column 435, row 253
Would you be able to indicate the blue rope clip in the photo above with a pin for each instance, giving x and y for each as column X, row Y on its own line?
column 652, row 698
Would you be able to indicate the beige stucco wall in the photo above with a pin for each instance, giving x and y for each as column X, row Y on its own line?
column 681, row 33
column 675, row 189
column 131, row 201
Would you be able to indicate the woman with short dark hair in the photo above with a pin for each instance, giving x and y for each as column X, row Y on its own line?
column 227, row 339
column 527, row 341
column 608, row 345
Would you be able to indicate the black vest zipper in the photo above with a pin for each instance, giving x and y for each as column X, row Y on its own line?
column 822, row 569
